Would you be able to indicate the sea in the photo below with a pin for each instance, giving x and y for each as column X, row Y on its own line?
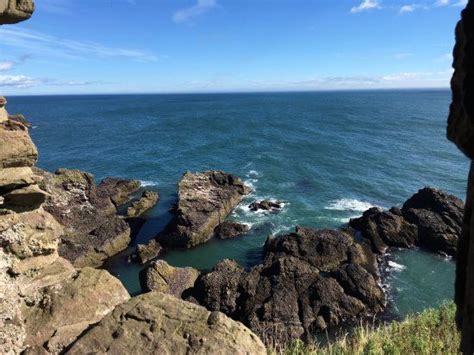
column 328, row 156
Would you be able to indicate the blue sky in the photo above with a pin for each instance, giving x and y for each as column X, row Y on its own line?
column 136, row 46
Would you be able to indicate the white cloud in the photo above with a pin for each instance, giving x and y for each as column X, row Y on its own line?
column 201, row 7
column 407, row 8
column 6, row 65
column 39, row 42
column 18, row 81
column 442, row 2
column 366, row 5
column 402, row 55
column 461, row 3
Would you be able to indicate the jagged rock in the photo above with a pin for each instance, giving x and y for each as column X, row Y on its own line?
column 147, row 252
column 310, row 280
column 29, row 197
column 204, row 201
column 93, row 232
column 94, row 248
column 146, row 202
column 438, row 217
column 118, row 190
column 162, row 277
column 266, row 205
column 229, row 229
column 156, row 323
column 20, row 119
column 56, row 314
column 13, row 11
column 17, row 178
column 385, row 229
column 431, row 219
column 16, row 147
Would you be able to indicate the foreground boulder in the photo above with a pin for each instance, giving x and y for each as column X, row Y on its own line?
column 162, row 277
column 156, row 323
column 431, row 219
column 13, row 11
column 88, row 212
column 309, row 281
column 229, row 230
column 204, row 201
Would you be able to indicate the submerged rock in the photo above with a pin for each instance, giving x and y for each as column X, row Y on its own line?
column 229, row 230
column 162, row 277
column 148, row 200
column 310, row 280
column 204, row 201
column 431, row 219
column 156, row 323
column 266, row 205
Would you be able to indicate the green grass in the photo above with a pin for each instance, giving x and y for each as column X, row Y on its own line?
column 431, row 332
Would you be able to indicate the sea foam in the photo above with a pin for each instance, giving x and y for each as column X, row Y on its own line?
column 349, row 205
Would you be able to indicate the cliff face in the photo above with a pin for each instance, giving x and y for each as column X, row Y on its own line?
column 13, row 11
column 461, row 132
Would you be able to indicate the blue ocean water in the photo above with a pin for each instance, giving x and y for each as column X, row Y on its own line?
column 328, row 155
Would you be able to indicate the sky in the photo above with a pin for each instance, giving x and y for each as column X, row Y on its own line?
column 180, row 46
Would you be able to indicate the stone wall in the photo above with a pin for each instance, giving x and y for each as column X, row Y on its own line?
column 461, row 132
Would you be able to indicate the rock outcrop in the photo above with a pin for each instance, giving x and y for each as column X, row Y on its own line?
column 92, row 230
column 156, row 323
column 461, row 132
column 45, row 303
column 431, row 219
column 204, row 201
column 229, row 230
column 162, row 277
column 310, row 280
column 13, row 11
column 148, row 200
column 147, row 252
column 266, row 205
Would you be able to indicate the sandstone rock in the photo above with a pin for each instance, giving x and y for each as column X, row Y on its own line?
column 385, row 229
column 16, row 147
column 146, row 202
column 3, row 111
column 162, row 277
column 156, row 323
column 266, row 205
column 29, row 197
column 228, row 230
column 310, row 280
column 20, row 119
column 147, row 252
column 205, row 200
column 438, row 217
column 13, row 11
column 93, row 232
column 94, row 248
column 17, row 178
column 55, row 315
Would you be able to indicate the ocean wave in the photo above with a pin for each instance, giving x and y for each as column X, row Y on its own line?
column 253, row 174
column 346, row 204
column 145, row 183
column 395, row 266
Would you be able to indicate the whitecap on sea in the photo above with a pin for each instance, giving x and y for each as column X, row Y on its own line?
column 146, row 183
column 349, row 205
column 395, row 266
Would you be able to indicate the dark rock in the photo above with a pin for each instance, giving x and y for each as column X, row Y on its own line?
column 20, row 119
column 309, row 280
column 118, row 190
column 385, row 229
column 148, row 200
column 25, row 198
column 266, row 205
column 229, row 229
column 438, row 217
column 204, row 201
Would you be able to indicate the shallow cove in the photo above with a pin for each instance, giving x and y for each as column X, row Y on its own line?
column 328, row 155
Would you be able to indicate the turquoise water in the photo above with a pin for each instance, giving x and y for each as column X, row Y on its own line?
column 329, row 156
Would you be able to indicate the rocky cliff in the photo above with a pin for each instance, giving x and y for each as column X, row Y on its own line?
column 13, row 11
column 461, row 132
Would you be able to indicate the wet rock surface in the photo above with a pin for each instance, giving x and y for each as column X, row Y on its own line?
column 146, row 202
column 229, row 230
column 204, row 201
column 266, row 205
column 156, row 323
